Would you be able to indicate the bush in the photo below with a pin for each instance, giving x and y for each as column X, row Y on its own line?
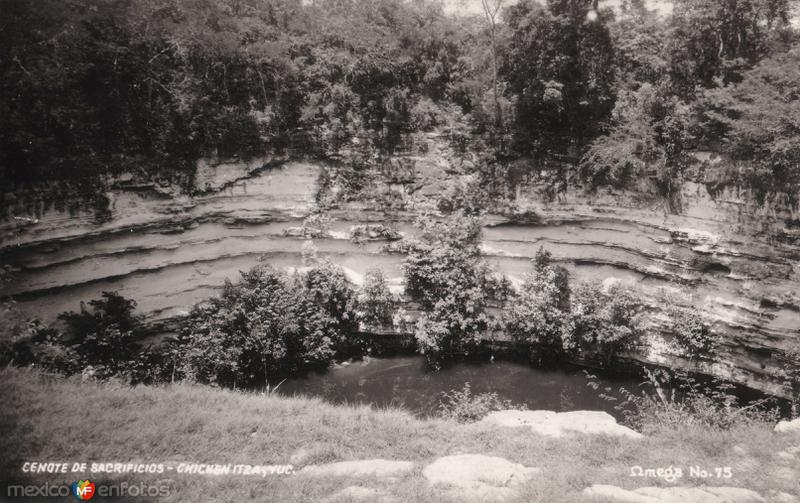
column 268, row 325
column 24, row 341
column 649, row 139
column 425, row 115
column 677, row 400
column 359, row 233
column 538, row 313
column 101, row 339
column 104, row 336
column 316, row 225
column 14, row 333
column 467, row 407
column 446, row 275
column 604, row 321
column 326, row 311
column 692, row 335
column 465, row 194
column 376, row 302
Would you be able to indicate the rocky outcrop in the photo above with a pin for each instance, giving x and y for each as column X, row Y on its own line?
column 359, row 493
column 360, row 468
column 555, row 424
column 477, row 477
column 788, row 427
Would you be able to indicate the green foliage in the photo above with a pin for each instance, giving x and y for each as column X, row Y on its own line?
column 465, row 194
column 317, row 225
column 102, row 339
column 559, row 66
column 153, row 85
column 711, row 41
column 446, row 275
column 488, row 186
column 376, row 303
column 603, row 321
column 757, row 120
column 640, row 39
column 649, row 139
column 20, row 337
column 104, row 335
column 426, row 115
column 364, row 232
column 691, row 333
column 538, row 314
column 464, row 406
column 327, row 313
column 267, row 325
column 162, row 82
column 674, row 400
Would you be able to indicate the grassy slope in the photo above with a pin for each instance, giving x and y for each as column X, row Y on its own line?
column 48, row 419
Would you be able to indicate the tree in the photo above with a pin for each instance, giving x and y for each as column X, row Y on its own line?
column 376, row 302
column 536, row 316
column 326, row 314
column 491, row 8
column 715, row 39
column 758, row 122
column 647, row 143
column 559, row 64
column 640, row 37
column 603, row 321
column 267, row 325
column 105, row 335
column 453, row 285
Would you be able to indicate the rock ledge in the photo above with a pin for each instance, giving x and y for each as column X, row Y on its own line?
column 558, row 424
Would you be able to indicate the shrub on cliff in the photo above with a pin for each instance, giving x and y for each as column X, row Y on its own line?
column 691, row 334
column 368, row 232
column 603, row 321
column 538, row 313
column 453, row 284
column 316, row 225
column 648, row 140
column 268, row 324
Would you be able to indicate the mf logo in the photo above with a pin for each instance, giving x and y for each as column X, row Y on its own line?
column 83, row 490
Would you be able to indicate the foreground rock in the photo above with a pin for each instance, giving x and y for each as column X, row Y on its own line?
column 359, row 493
column 701, row 494
column 479, row 477
column 555, row 424
column 790, row 453
column 788, row 426
column 362, row 468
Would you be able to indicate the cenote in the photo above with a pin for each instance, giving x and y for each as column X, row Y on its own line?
column 407, row 382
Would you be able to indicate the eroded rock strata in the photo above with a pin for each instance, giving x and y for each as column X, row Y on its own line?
column 736, row 261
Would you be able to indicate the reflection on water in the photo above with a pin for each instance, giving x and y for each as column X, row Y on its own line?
column 406, row 382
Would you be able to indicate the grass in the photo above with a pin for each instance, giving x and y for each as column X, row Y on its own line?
column 50, row 419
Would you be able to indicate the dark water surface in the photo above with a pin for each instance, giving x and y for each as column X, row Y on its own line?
column 405, row 381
